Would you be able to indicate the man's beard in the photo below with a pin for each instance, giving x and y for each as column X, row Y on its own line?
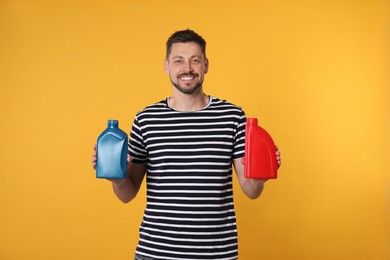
column 187, row 91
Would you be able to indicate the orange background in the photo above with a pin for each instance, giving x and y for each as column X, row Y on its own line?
column 315, row 73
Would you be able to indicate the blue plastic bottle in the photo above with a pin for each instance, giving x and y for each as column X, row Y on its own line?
column 111, row 152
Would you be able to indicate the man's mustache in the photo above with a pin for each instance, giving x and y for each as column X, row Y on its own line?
column 188, row 74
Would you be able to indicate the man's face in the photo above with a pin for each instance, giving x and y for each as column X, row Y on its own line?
column 186, row 66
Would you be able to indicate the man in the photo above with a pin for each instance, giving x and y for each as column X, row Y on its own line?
column 187, row 144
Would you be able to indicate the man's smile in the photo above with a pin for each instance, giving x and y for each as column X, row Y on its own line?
column 187, row 77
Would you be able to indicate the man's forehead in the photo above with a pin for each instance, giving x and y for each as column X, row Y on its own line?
column 186, row 48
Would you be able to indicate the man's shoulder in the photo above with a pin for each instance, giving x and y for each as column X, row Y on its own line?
column 223, row 103
column 155, row 107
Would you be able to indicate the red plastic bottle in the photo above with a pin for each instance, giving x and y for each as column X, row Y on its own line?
column 260, row 152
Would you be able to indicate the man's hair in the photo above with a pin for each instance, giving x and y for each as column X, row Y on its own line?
column 185, row 36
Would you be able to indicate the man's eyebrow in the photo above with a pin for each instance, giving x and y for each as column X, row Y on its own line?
column 181, row 57
column 177, row 57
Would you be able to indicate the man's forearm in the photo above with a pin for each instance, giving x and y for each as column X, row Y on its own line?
column 124, row 189
column 253, row 188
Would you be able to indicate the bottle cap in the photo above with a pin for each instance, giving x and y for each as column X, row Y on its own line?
column 113, row 122
column 251, row 121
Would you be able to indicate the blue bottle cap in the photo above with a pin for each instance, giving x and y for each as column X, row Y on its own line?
column 112, row 122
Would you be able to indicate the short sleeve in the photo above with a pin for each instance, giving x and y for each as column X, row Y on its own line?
column 136, row 147
column 239, row 138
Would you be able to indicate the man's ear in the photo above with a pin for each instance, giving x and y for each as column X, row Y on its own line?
column 166, row 67
column 206, row 64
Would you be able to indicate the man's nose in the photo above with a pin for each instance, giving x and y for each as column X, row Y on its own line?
column 188, row 67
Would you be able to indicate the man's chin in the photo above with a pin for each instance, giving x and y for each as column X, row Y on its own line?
column 188, row 89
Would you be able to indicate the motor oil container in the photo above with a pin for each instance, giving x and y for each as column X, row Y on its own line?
column 111, row 150
column 260, row 152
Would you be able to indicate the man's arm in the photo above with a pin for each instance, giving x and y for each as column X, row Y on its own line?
column 251, row 187
column 126, row 189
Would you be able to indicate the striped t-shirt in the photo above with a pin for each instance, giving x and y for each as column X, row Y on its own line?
column 189, row 212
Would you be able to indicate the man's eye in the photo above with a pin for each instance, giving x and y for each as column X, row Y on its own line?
column 177, row 61
column 195, row 61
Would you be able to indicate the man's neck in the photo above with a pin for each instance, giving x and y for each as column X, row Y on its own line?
column 188, row 103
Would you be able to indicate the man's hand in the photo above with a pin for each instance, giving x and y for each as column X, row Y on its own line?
column 258, row 183
column 277, row 154
column 94, row 159
column 125, row 189
column 278, row 157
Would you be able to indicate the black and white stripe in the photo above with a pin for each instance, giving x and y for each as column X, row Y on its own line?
column 189, row 212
